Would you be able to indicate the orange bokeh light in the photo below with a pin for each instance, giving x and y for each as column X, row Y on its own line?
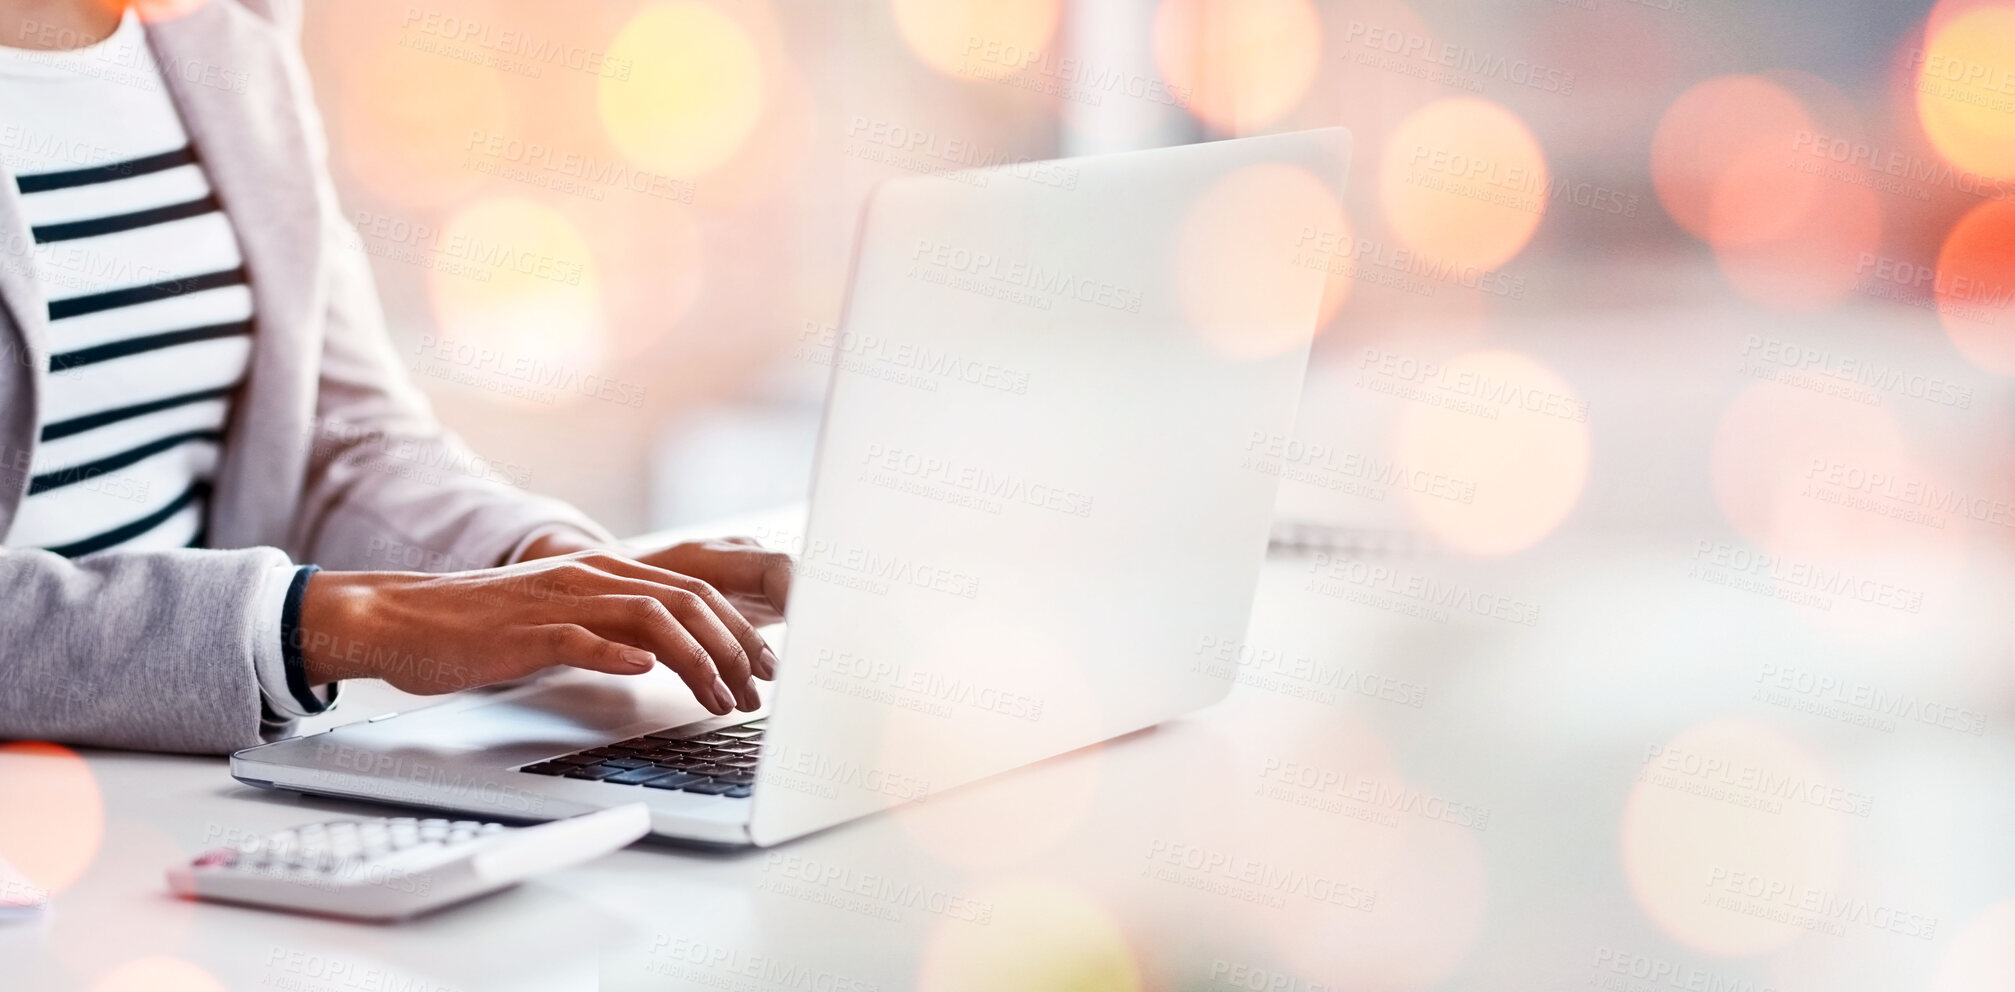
column 983, row 39
column 1965, row 84
column 517, row 298
column 1816, row 261
column 1721, row 161
column 1238, row 65
column 1775, row 449
column 1505, row 429
column 1975, row 285
column 53, row 817
column 694, row 93
column 405, row 117
column 1709, row 849
column 1244, row 276
column 1464, row 181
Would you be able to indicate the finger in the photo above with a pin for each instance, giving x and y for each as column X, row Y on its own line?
column 645, row 621
column 761, row 661
column 576, row 646
column 734, row 568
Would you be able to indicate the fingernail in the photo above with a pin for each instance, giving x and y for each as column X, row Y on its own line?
column 753, row 702
column 724, row 700
column 639, row 658
column 766, row 663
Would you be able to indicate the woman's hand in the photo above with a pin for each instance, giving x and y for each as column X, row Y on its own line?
column 754, row 578
column 592, row 609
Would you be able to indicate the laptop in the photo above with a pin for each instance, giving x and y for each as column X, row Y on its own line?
column 1040, row 502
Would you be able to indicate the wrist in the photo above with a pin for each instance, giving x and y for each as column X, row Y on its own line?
column 556, row 542
column 335, row 630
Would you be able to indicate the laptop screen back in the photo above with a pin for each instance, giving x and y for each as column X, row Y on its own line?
column 1048, row 464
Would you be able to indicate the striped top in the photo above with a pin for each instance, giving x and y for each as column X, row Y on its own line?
column 150, row 317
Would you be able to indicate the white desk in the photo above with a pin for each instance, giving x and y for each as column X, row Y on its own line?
column 1481, row 773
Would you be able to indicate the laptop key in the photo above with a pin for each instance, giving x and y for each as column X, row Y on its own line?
column 737, row 778
column 595, row 773
column 709, row 770
column 548, row 768
column 672, row 780
column 738, row 792
column 627, row 761
column 709, row 788
column 635, row 776
column 740, row 733
column 573, row 759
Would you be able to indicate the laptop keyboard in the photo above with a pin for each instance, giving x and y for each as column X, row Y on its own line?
column 715, row 763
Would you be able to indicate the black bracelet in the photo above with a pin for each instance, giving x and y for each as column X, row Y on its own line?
column 290, row 645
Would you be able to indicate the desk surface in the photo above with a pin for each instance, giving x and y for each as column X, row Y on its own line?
column 1609, row 763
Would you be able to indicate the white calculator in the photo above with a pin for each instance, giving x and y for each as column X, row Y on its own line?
column 395, row 867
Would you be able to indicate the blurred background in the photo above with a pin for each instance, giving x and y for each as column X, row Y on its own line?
column 612, row 238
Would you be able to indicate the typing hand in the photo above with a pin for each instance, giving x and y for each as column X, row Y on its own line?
column 755, row 579
column 596, row 610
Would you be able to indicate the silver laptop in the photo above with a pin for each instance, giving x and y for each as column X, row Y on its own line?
column 1041, row 499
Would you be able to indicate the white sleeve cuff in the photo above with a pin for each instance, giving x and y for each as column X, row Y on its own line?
column 269, row 660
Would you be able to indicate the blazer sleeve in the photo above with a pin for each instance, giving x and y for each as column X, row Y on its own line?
column 387, row 485
column 169, row 668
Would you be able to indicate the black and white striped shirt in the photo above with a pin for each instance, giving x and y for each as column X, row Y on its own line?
column 150, row 317
column 149, row 312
